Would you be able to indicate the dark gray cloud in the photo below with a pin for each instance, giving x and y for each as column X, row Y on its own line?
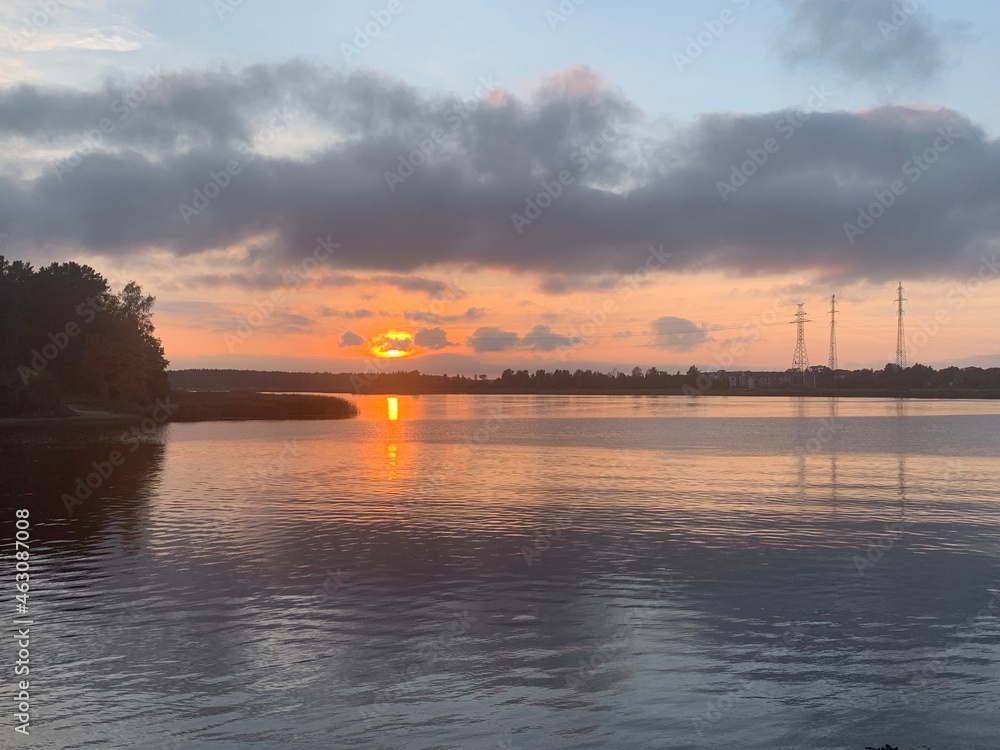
column 457, row 208
column 889, row 44
column 541, row 338
column 187, row 109
column 678, row 334
column 350, row 338
column 492, row 339
column 432, row 338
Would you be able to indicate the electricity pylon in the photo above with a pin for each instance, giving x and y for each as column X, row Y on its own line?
column 801, row 359
column 833, row 332
column 900, row 336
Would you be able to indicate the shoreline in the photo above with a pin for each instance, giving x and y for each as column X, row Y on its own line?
column 107, row 417
column 938, row 394
column 82, row 416
column 203, row 406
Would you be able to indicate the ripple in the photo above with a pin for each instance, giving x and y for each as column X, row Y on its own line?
column 599, row 574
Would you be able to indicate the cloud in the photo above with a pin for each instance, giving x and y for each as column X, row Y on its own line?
column 392, row 343
column 542, row 339
column 350, row 338
column 123, row 198
column 423, row 316
column 569, row 284
column 678, row 334
column 360, row 313
column 492, row 339
column 877, row 41
column 221, row 318
column 273, row 278
column 432, row 338
column 287, row 322
column 31, row 26
column 120, row 39
column 430, row 287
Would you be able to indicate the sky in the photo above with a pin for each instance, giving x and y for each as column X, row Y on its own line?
column 462, row 187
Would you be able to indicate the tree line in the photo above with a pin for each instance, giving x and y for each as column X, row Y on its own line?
column 889, row 378
column 65, row 333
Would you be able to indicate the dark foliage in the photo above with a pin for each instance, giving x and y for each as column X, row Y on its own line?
column 197, row 407
column 64, row 331
column 916, row 380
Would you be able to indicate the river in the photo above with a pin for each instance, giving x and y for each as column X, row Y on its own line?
column 500, row 572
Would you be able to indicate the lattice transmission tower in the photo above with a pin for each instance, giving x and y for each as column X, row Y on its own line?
column 900, row 336
column 801, row 359
column 833, row 332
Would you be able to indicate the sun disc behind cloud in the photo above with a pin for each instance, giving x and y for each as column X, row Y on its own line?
column 392, row 344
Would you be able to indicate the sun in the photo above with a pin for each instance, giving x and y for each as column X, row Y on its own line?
column 392, row 344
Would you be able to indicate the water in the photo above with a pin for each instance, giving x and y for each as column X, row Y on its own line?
column 521, row 572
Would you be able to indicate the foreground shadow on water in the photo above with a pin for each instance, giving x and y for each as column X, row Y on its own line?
column 78, row 482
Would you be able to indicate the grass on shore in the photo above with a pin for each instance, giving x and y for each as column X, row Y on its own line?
column 202, row 406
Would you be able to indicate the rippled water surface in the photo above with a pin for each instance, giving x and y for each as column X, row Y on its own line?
column 521, row 572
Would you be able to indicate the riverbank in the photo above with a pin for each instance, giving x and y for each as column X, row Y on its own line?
column 938, row 393
column 206, row 406
column 931, row 393
column 72, row 415
column 934, row 393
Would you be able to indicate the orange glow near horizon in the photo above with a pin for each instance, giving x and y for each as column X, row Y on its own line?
column 743, row 324
column 381, row 345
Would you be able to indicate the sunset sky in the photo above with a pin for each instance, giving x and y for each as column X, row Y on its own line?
column 469, row 186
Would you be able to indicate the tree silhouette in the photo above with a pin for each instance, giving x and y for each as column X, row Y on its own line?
column 64, row 331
